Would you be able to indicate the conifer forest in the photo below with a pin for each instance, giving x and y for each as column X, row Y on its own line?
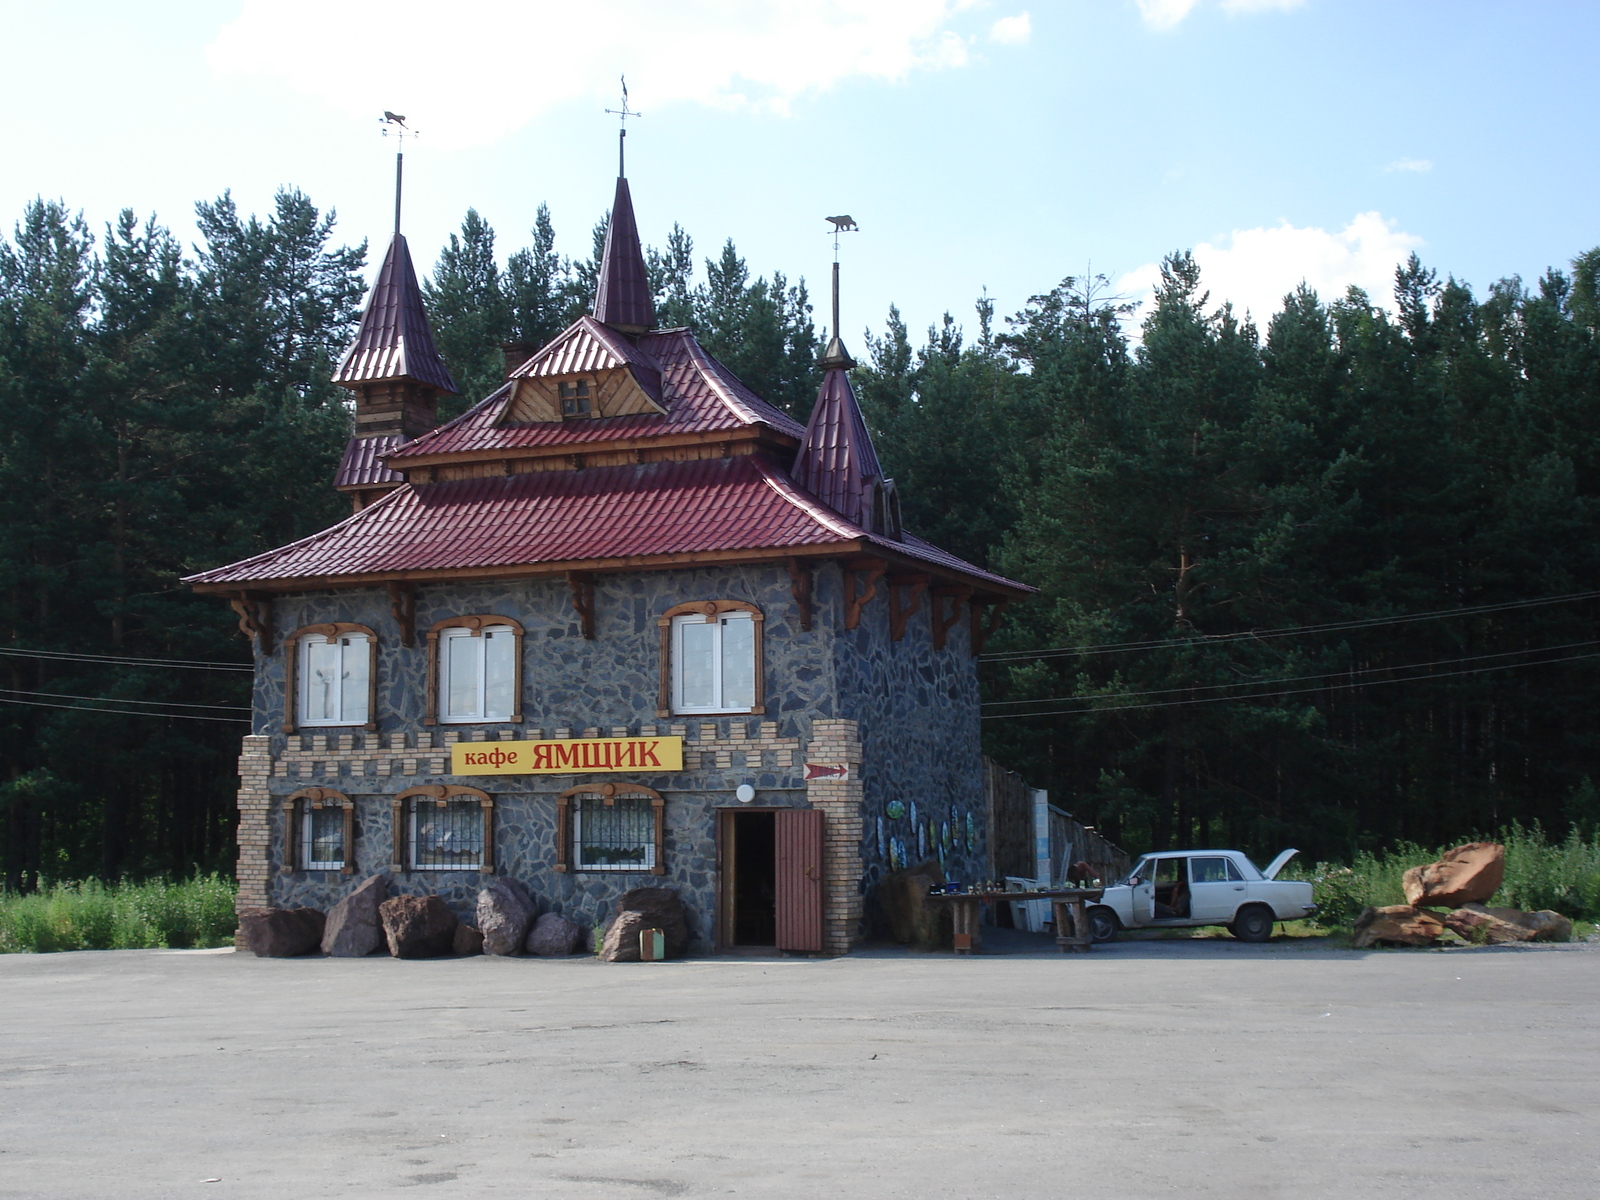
column 1324, row 577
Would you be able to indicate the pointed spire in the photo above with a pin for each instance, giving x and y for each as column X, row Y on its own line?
column 622, row 297
column 395, row 341
column 836, row 462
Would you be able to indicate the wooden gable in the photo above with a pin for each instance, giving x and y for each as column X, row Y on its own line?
column 577, row 396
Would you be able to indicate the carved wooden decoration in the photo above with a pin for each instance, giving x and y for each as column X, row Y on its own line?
column 403, row 607
column 442, row 794
column 800, row 589
column 255, row 619
column 582, row 586
column 983, row 630
column 856, row 599
column 912, row 586
column 942, row 623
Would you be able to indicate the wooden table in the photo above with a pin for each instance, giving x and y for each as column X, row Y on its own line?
column 1068, row 906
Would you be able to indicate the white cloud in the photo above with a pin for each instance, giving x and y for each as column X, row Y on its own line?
column 472, row 79
column 1410, row 164
column 1011, row 31
column 1256, row 268
column 1162, row 15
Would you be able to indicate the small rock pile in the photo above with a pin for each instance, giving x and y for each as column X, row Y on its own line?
column 1462, row 881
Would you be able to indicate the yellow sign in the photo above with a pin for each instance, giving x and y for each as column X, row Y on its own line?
column 567, row 756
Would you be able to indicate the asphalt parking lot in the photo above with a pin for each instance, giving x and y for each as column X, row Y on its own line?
column 1194, row 1069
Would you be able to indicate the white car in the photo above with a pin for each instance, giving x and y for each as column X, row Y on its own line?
column 1181, row 888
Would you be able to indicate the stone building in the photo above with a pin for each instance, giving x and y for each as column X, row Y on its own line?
column 622, row 623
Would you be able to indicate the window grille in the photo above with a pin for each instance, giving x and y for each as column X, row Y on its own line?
column 620, row 836
column 322, row 838
column 445, row 836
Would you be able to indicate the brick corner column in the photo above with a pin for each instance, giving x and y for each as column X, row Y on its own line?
column 840, row 798
column 255, row 830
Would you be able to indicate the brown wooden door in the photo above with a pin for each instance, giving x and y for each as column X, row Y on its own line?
column 799, row 838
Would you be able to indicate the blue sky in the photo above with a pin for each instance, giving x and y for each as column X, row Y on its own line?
column 998, row 145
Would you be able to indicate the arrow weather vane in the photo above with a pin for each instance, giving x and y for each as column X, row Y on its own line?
column 394, row 125
column 622, row 114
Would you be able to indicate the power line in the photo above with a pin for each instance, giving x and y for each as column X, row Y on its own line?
column 1287, row 631
column 123, row 712
column 1214, row 687
column 1332, row 687
column 123, row 660
column 127, row 700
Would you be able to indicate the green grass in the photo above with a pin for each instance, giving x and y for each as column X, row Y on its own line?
column 120, row 916
column 1563, row 876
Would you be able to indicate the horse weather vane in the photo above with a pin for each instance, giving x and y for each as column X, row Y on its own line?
column 394, row 125
column 622, row 114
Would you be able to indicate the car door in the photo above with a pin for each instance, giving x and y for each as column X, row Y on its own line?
column 1216, row 889
column 1143, row 892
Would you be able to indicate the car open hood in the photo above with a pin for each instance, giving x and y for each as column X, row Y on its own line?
column 1276, row 865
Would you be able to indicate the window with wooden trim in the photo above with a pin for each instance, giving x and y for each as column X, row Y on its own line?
column 614, row 827
column 331, row 676
column 443, row 827
column 474, row 670
column 320, row 832
column 711, row 658
column 574, row 397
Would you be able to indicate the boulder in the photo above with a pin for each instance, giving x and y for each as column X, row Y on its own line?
column 1396, row 925
column 665, row 912
column 505, row 911
column 553, row 936
column 466, row 942
column 912, row 920
column 1499, row 926
column 418, row 926
column 1468, row 874
column 622, row 938
column 281, row 932
column 353, row 929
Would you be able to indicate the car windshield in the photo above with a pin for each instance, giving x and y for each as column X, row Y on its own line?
column 1142, row 869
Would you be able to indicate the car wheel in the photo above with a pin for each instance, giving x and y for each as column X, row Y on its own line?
column 1103, row 924
column 1253, row 923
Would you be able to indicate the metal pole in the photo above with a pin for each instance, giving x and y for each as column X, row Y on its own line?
column 399, row 165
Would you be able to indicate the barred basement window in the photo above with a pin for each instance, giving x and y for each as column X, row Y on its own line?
column 320, row 832
column 444, row 828
column 611, row 827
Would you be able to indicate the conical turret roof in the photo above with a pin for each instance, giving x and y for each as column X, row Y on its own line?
column 394, row 341
column 836, row 462
column 622, row 297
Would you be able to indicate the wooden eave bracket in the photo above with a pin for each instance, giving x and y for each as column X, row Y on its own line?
column 901, row 611
column 255, row 618
column 403, row 607
column 983, row 630
column 944, row 622
column 582, row 585
column 800, row 589
column 857, row 598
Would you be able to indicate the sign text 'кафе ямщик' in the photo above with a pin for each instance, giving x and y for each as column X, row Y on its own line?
column 567, row 756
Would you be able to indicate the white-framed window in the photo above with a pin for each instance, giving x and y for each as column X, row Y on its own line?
column 614, row 835
column 445, row 836
column 714, row 663
column 335, row 678
column 477, row 673
column 322, row 832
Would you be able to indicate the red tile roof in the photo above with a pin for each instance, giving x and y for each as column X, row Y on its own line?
column 394, row 341
column 362, row 464
column 594, row 516
column 699, row 394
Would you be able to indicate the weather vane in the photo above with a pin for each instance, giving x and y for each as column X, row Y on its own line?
column 622, row 114
column 844, row 224
column 394, row 125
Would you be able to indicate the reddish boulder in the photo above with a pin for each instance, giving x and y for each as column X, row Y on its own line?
column 664, row 911
column 281, row 932
column 553, row 936
column 418, row 926
column 352, row 928
column 1396, row 925
column 1469, row 874
column 1498, row 926
column 622, row 937
column 466, row 942
column 505, row 912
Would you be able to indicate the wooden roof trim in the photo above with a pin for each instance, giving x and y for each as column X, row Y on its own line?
column 744, row 433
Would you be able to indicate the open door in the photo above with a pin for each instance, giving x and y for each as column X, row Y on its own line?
column 799, row 838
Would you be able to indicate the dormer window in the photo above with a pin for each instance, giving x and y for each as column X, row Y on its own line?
column 574, row 398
